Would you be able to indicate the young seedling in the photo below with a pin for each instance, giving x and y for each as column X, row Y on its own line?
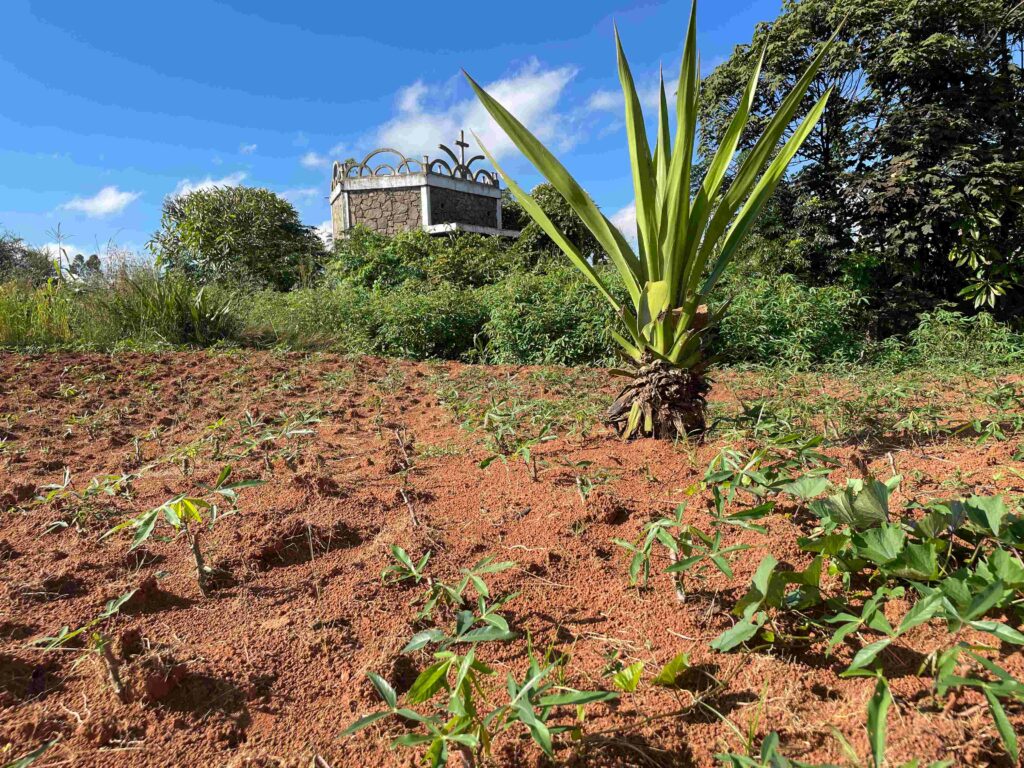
column 404, row 569
column 459, row 725
column 186, row 514
column 523, row 448
column 96, row 642
column 81, row 505
column 443, row 594
column 586, row 479
column 687, row 546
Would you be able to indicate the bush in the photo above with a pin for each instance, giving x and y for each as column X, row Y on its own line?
column 533, row 246
column 238, row 235
column 418, row 321
column 378, row 261
column 780, row 321
column 335, row 318
column 945, row 339
column 23, row 263
column 41, row 316
column 553, row 317
column 142, row 305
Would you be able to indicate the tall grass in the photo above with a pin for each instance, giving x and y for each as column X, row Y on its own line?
column 37, row 317
column 135, row 304
column 143, row 305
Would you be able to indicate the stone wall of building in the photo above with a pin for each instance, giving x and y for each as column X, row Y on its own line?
column 388, row 211
column 448, row 205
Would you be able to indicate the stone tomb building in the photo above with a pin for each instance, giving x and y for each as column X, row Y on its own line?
column 390, row 193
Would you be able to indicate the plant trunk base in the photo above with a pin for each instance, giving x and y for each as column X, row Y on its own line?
column 662, row 401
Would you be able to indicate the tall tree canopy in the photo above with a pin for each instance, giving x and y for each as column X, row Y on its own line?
column 912, row 180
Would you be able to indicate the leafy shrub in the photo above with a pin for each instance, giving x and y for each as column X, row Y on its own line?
column 22, row 262
column 336, row 318
column 417, row 321
column 533, row 245
column 780, row 321
column 947, row 339
column 239, row 235
column 552, row 317
column 378, row 261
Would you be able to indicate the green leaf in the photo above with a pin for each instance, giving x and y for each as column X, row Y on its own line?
column 574, row 698
column 984, row 601
column 640, row 161
column 987, row 512
column 917, row 562
column 740, row 633
column 628, row 678
column 880, row 545
column 387, row 693
column 858, row 505
column 429, row 682
column 1000, row 630
column 865, row 656
column 422, row 639
column 671, row 674
column 1006, row 730
column 759, row 588
column 807, row 487
column 364, row 721
column 146, row 523
column 538, row 730
column 403, row 557
column 878, row 712
column 923, row 610
column 486, row 635
column 113, row 606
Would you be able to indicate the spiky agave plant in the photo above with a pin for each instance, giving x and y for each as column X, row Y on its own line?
column 685, row 243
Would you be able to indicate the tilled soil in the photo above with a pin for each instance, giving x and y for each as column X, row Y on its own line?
column 356, row 455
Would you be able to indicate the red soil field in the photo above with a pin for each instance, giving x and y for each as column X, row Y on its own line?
column 360, row 454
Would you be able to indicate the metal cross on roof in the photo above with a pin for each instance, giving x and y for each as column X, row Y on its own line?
column 461, row 168
column 463, row 145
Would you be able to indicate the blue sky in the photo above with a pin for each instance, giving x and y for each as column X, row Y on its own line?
column 107, row 107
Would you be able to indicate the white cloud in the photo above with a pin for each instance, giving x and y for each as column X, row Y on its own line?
column 186, row 186
column 313, row 160
column 326, row 233
column 532, row 94
column 304, row 194
column 604, row 101
column 52, row 250
column 625, row 220
column 247, row 149
column 409, row 98
column 106, row 202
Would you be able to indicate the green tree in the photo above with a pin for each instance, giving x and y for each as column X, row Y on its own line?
column 19, row 261
column 910, row 179
column 241, row 235
column 533, row 244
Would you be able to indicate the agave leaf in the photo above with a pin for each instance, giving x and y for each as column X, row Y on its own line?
column 757, row 199
column 604, row 231
column 640, row 160
column 551, row 229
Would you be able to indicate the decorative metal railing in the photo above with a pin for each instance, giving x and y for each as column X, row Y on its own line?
column 459, row 168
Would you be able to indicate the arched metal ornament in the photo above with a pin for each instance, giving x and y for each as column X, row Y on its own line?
column 376, row 165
